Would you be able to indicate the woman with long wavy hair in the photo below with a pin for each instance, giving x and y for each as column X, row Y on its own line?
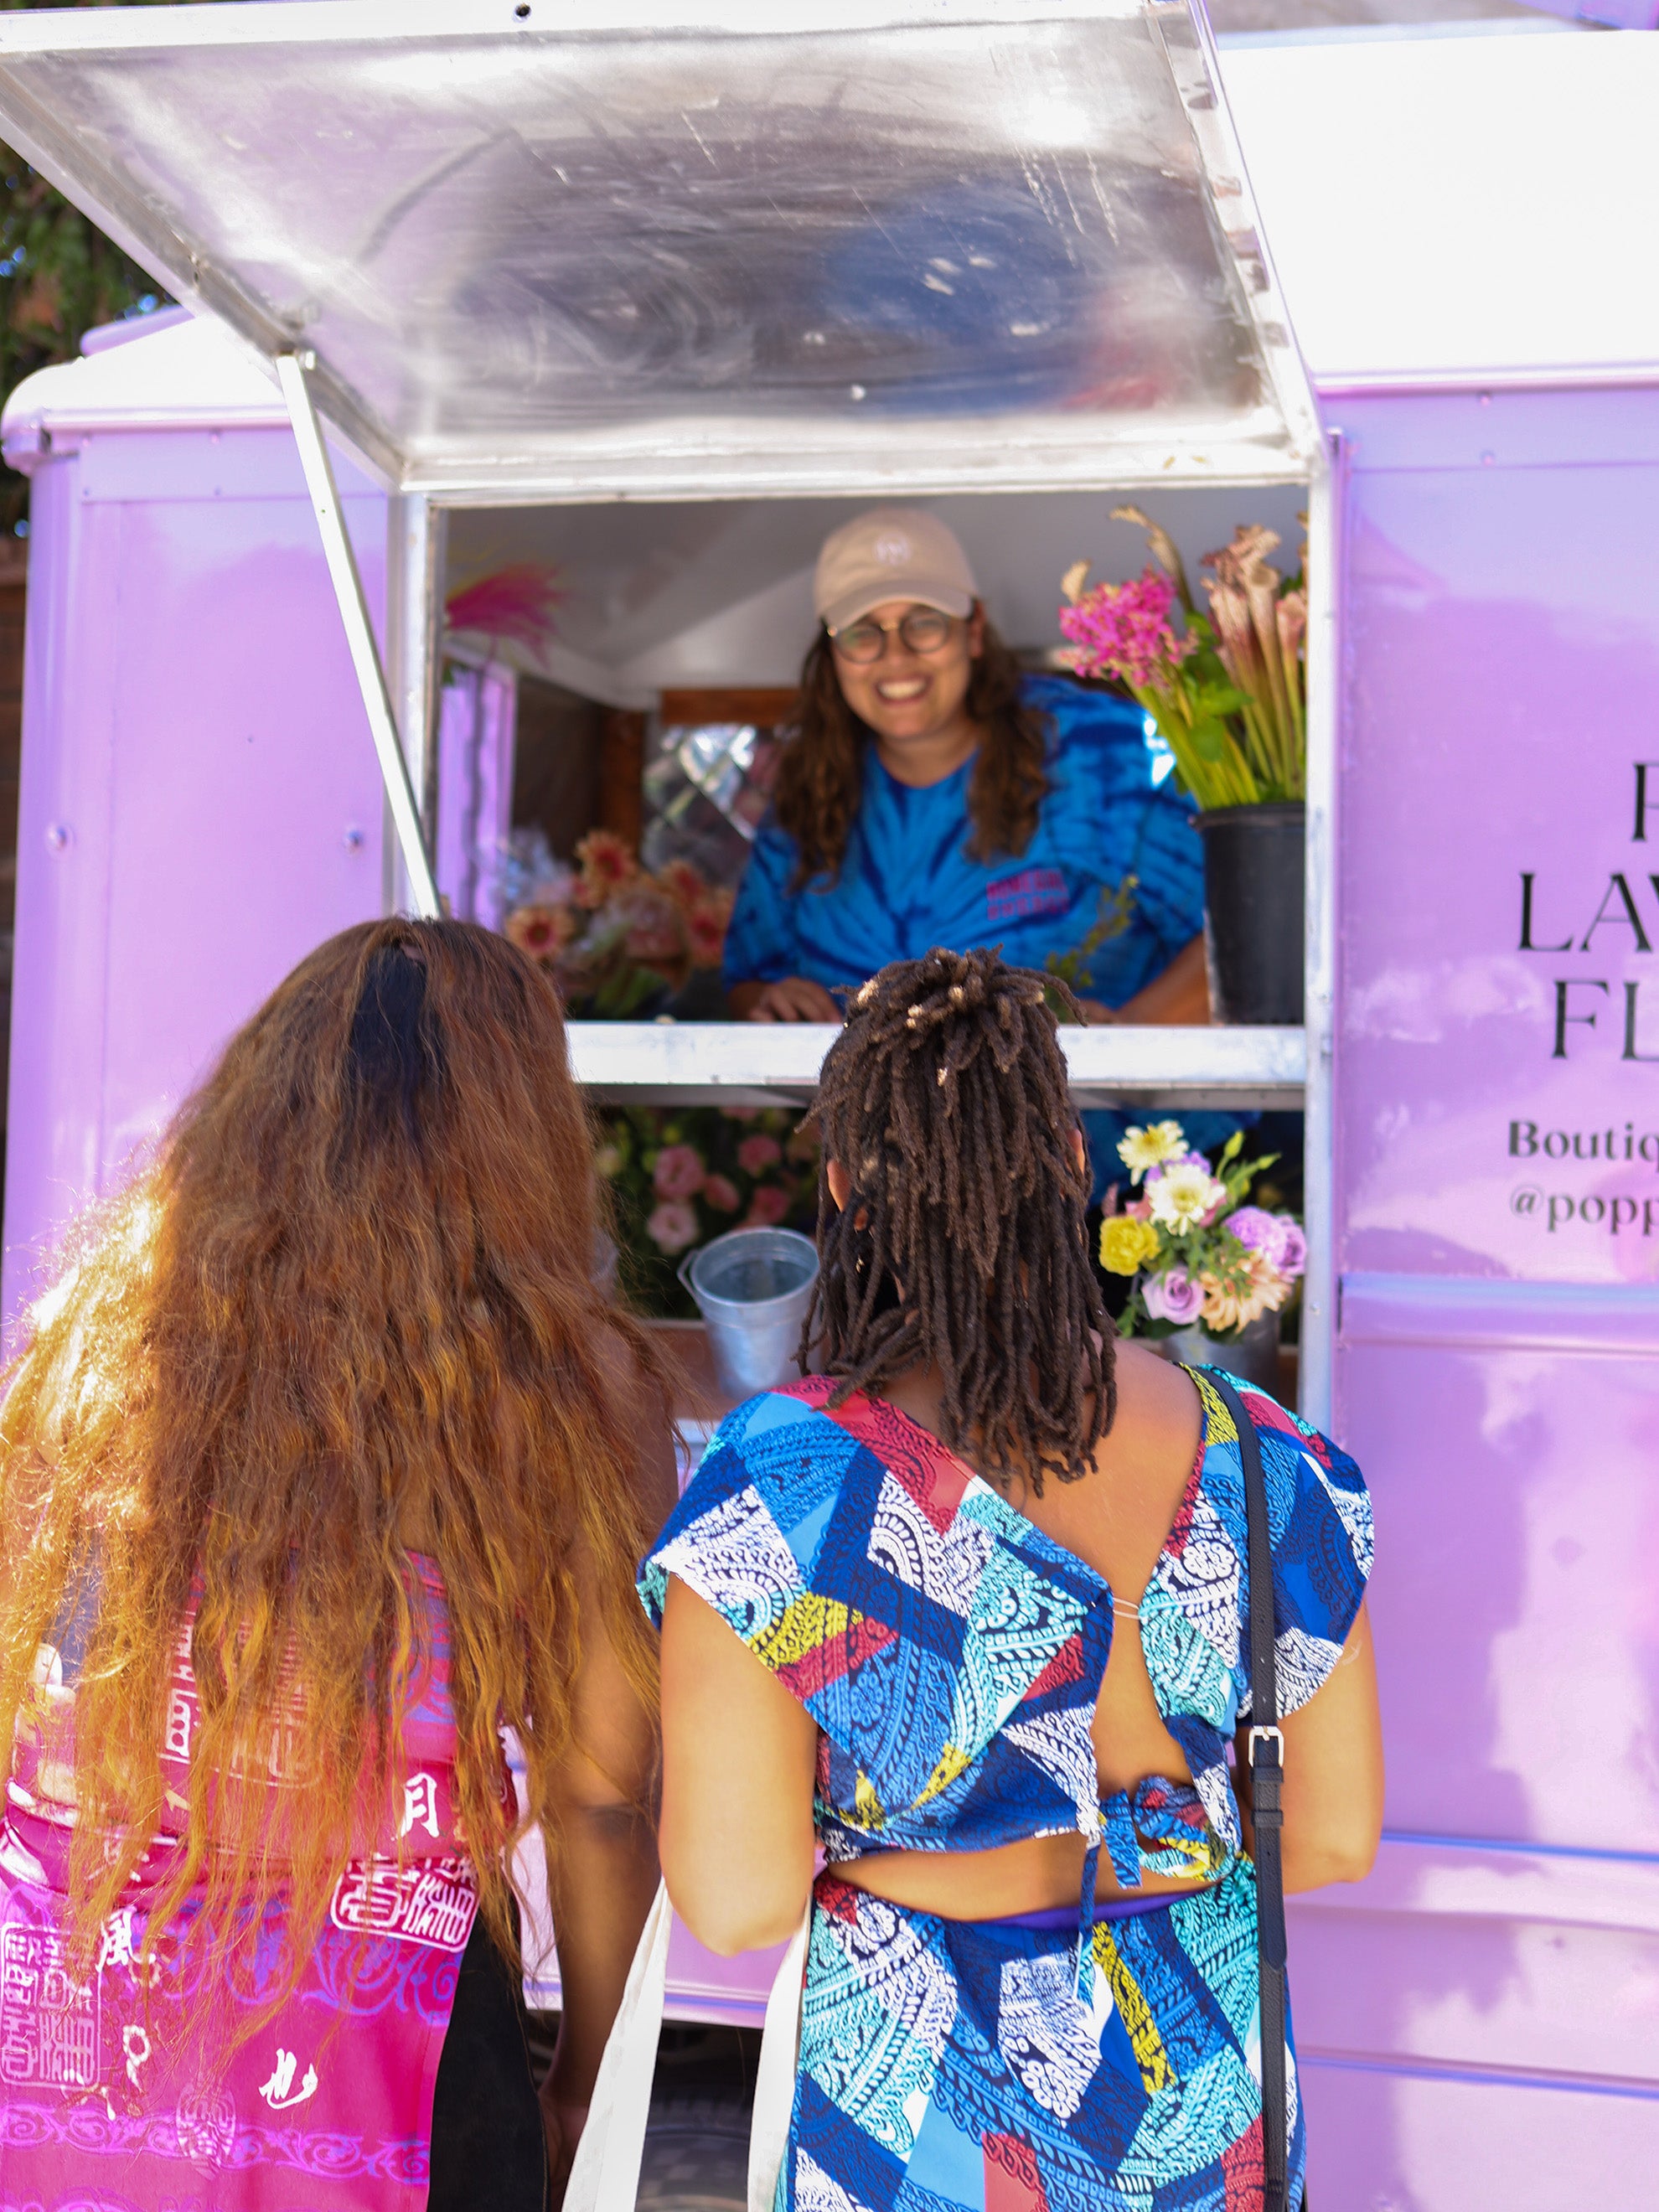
column 325, row 1464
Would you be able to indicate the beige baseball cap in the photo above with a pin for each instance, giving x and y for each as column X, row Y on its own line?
column 890, row 553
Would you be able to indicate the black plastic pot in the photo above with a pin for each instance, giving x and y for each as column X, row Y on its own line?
column 1254, row 911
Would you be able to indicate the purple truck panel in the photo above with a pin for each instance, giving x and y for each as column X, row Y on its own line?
column 199, row 804
column 1479, row 2020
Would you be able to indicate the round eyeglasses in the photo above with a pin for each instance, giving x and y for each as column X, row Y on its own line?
column 923, row 630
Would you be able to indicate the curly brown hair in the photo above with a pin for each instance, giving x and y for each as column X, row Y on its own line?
column 821, row 770
column 353, row 1295
column 945, row 1101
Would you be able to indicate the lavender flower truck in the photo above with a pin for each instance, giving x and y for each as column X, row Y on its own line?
column 468, row 283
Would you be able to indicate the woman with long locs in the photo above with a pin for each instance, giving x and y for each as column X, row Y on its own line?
column 969, row 1611
column 325, row 1465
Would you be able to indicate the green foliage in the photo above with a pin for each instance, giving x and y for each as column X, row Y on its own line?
column 1114, row 915
column 59, row 276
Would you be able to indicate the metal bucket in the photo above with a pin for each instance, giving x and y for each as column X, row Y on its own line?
column 1253, row 1354
column 752, row 1287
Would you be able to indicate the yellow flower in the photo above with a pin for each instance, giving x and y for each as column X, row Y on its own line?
column 1150, row 1147
column 1127, row 1244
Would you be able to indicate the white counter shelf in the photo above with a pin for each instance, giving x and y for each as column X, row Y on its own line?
column 762, row 1064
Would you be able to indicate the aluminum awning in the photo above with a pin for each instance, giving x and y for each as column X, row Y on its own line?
column 564, row 250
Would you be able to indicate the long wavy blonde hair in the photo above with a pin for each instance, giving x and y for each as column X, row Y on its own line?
column 352, row 1296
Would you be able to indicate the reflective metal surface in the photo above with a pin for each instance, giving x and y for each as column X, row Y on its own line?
column 1008, row 244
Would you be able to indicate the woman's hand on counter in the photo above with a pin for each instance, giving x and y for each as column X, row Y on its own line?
column 1180, row 995
column 794, row 1000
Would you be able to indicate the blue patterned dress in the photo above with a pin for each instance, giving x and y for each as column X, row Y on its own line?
column 950, row 1654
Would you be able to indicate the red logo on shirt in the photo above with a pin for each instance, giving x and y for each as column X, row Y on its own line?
column 1033, row 891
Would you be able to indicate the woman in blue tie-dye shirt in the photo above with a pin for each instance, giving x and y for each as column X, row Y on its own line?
column 932, row 796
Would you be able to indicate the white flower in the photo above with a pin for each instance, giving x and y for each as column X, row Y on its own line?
column 1184, row 1194
column 1151, row 1146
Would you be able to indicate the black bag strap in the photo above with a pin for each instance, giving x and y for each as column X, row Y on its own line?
column 1267, row 1764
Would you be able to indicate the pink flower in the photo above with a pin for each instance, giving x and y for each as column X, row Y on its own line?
column 1124, row 630
column 682, row 883
column 1254, row 1228
column 720, row 1195
column 1228, row 1307
column 607, row 864
column 1277, row 1236
column 672, row 1226
column 679, row 1172
column 517, row 603
column 768, row 1206
column 655, row 929
column 757, row 1153
column 705, row 928
column 1172, row 1297
column 543, row 932
column 1289, row 1252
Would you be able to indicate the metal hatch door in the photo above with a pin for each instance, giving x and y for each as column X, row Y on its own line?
column 576, row 248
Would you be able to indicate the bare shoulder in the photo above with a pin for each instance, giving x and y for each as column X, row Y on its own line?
column 1156, row 1398
column 1159, row 1426
column 1121, row 1514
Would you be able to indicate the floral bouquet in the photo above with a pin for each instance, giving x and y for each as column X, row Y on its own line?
column 681, row 1176
column 1228, row 691
column 1198, row 1252
column 618, row 941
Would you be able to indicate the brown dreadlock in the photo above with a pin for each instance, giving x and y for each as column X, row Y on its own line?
column 946, row 1100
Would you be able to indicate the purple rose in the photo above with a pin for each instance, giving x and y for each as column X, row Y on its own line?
column 1289, row 1252
column 1256, row 1229
column 1172, row 1297
column 1186, row 1160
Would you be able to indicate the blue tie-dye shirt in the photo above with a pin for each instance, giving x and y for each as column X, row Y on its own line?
column 908, row 882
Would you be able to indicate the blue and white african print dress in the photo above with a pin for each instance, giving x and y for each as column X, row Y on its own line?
column 951, row 1655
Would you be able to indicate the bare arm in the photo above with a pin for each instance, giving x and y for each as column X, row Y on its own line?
column 604, row 1875
column 739, row 1758
column 1333, row 1789
column 1180, row 995
column 794, row 1000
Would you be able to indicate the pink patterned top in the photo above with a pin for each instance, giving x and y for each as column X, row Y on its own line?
column 104, row 2100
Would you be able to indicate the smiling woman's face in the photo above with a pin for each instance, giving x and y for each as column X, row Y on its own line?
column 909, row 697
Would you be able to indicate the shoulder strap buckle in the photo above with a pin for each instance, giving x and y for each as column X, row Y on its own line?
column 1275, row 1736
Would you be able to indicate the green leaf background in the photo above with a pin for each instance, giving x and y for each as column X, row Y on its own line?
column 60, row 277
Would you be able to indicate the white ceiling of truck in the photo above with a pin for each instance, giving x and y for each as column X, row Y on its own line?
column 719, row 592
column 548, row 252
